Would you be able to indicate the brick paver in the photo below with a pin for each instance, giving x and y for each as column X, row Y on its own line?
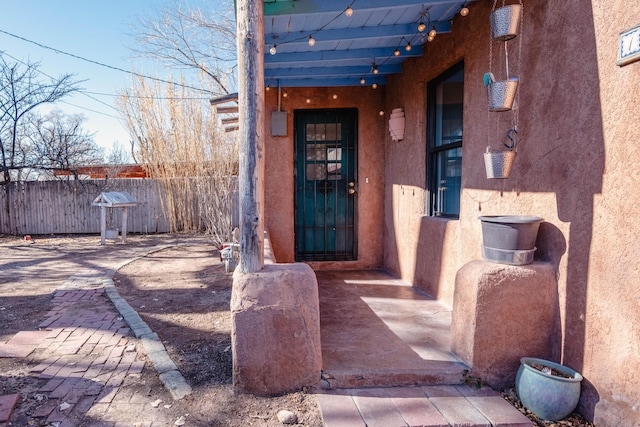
column 92, row 359
column 427, row 406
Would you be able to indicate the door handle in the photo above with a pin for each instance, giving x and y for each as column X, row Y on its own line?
column 352, row 187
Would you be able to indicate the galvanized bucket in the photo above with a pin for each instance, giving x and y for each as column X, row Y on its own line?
column 505, row 22
column 501, row 94
column 498, row 164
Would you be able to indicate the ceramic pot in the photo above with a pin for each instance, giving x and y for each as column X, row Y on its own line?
column 548, row 396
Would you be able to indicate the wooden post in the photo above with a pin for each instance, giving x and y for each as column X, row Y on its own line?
column 250, row 43
column 103, row 223
column 125, row 211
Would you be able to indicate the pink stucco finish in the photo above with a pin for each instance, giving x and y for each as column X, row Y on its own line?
column 493, row 324
column 279, row 157
column 577, row 167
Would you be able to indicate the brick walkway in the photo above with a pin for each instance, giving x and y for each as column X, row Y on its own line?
column 92, row 360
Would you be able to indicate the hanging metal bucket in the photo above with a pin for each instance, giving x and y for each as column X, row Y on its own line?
column 505, row 22
column 501, row 94
column 498, row 164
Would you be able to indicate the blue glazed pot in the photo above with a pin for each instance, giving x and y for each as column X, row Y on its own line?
column 549, row 397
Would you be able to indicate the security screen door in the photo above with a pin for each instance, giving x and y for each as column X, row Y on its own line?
column 326, row 186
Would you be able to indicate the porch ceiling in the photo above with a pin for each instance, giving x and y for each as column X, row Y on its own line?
column 347, row 47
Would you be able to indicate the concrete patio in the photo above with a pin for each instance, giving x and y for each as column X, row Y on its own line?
column 388, row 362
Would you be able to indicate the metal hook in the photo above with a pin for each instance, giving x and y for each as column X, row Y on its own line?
column 511, row 138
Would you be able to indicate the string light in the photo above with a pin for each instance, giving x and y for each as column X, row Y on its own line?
column 375, row 85
column 362, row 81
column 273, row 50
column 464, row 11
column 396, row 52
column 348, row 11
column 312, row 41
column 308, row 100
column 375, row 68
column 381, row 113
column 335, row 96
column 421, row 26
column 408, row 46
column 433, row 32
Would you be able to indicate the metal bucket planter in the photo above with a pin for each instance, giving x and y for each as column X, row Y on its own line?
column 545, row 393
column 498, row 164
column 501, row 94
column 505, row 22
column 509, row 239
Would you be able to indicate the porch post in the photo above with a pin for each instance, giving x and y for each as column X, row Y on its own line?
column 250, row 43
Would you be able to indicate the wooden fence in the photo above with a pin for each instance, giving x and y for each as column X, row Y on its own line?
column 64, row 207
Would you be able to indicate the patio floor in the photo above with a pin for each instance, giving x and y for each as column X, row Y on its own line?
column 387, row 358
column 377, row 331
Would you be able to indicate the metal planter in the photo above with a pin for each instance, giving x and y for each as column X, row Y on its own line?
column 498, row 164
column 505, row 22
column 501, row 94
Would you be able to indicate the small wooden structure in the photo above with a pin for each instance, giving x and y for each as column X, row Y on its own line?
column 113, row 199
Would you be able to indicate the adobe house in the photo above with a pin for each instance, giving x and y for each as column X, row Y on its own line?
column 335, row 189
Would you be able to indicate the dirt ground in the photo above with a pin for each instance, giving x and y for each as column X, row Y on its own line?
column 182, row 292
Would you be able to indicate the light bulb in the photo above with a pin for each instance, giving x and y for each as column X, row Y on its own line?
column 285, row 94
column 362, row 81
column 381, row 113
column 464, row 11
column 273, row 50
column 335, row 96
column 348, row 11
column 312, row 41
column 375, row 69
column 308, row 100
column 408, row 47
column 268, row 88
column 421, row 27
column 396, row 52
column 430, row 38
column 433, row 32
column 375, row 85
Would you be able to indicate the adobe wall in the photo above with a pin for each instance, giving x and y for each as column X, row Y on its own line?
column 578, row 167
column 279, row 173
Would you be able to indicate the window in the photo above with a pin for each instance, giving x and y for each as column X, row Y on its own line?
column 445, row 95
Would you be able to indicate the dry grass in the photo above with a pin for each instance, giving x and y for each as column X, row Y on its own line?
column 179, row 140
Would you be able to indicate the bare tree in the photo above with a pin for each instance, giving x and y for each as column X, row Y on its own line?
column 21, row 91
column 58, row 142
column 185, row 37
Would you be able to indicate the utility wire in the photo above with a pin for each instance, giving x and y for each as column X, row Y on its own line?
column 103, row 64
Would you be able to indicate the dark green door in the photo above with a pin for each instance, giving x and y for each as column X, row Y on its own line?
column 326, row 186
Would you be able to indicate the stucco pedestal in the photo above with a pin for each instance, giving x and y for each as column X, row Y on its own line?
column 275, row 334
column 502, row 313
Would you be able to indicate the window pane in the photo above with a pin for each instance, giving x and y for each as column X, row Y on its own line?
column 449, row 96
column 445, row 110
column 316, row 151
column 448, row 182
column 316, row 171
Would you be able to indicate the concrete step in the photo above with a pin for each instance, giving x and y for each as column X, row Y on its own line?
column 425, row 373
column 427, row 406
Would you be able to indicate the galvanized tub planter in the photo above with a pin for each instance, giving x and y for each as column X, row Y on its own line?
column 548, row 389
column 498, row 164
column 502, row 94
column 505, row 22
column 509, row 239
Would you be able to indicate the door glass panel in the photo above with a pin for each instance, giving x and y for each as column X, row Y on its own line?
column 316, row 171
column 316, row 151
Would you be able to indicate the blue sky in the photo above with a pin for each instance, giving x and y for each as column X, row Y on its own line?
column 97, row 30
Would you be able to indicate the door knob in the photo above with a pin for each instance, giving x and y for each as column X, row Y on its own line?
column 352, row 191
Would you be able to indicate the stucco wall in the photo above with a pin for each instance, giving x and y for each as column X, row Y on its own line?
column 279, row 170
column 578, row 167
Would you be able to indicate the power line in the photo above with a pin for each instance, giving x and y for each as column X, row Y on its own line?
column 103, row 64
